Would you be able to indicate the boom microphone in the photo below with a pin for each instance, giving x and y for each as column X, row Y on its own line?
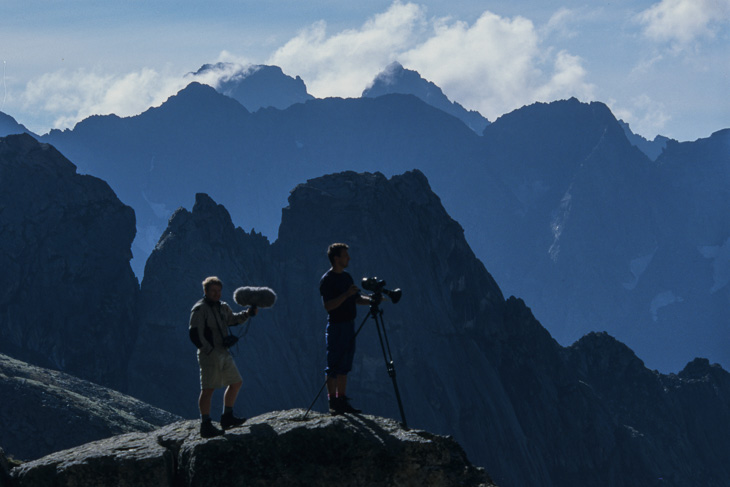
column 258, row 297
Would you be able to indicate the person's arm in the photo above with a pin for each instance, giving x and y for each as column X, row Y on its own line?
column 241, row 317
column 197, row 325
column 337, row 302
column 366, row 300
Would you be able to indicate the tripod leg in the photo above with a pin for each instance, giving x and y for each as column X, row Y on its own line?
column 315, row 399
column 390, row 366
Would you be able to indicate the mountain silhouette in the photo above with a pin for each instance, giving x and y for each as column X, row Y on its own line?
column 564, row 209
column 396, row 79
column 257, row 86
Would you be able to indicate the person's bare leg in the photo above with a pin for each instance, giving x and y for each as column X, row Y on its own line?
column 341, row 385
column 206, row 396
column 231, row 394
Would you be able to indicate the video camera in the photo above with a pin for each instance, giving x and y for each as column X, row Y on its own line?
column 377, row 286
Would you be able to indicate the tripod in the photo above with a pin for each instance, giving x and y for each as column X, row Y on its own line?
column 377, row 315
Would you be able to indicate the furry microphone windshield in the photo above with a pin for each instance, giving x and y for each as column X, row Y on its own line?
column 260, row 297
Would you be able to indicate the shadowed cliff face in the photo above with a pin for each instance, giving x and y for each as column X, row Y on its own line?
column 67, row 292
column 468, row 362
column 273, row 449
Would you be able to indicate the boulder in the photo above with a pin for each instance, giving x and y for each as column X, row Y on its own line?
column 276, row 448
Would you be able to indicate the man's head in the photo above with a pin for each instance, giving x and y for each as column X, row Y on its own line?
column 338, row 255
column 212, row 287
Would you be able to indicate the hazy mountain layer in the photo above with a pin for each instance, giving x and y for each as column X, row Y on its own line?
column 554, row 198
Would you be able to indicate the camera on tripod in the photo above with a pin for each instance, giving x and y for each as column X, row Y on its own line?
column 377, row 286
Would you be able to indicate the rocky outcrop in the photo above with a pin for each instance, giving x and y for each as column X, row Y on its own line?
column 44, row 411
column 67, row 291
column 4, row 470
column 278, row 448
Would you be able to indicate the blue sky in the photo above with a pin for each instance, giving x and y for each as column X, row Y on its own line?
column 662, row 65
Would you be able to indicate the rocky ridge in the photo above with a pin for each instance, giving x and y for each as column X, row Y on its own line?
column 44, row 411
column 277, row 448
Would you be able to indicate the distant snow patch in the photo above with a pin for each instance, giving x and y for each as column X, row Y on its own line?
column 661, row 300
column 159, row 209
column 637, row 267
column 720, row 255
column 560, row 218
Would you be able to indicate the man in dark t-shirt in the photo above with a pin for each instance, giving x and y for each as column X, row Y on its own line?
column 340, row 296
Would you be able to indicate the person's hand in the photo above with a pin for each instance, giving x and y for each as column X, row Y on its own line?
column 353, row 290
column 252, row 311
column 376, row 298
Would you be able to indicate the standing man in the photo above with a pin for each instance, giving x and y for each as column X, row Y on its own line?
column 209, row 322
column 339, row 296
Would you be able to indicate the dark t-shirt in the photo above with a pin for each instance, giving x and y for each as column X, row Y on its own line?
column 332, row 285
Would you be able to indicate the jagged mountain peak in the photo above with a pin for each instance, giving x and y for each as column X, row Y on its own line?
column 9, row 126
column 198, row 97
column 397, row 79
column 24, row 150
column 652, row 148
column 255, row 86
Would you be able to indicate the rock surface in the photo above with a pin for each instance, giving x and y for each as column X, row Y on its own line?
column 277, row 448
column 67, row 291
column 4, row 470
column 44, row 411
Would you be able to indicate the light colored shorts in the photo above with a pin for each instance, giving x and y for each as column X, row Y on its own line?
column 217, row 369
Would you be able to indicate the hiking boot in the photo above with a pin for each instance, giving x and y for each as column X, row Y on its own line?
column 345, row 406
column 228, row 421
column 335, row 407
column 207, row 430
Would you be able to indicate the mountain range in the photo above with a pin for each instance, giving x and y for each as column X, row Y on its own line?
column 469, row 362
column 557, row 199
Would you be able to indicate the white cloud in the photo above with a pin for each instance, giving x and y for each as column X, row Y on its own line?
column 73, row 96
column 342, row 64
column 560, row 23
column 494, row 65
column 646, row 117
column 683, row 21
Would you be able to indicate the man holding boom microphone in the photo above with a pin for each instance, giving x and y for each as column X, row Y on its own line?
column 340, row 296
column 209, row 322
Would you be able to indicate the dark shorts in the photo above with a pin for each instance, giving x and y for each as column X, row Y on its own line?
column 340, row 347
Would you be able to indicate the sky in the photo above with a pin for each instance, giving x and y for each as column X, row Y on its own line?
column 663, row 66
